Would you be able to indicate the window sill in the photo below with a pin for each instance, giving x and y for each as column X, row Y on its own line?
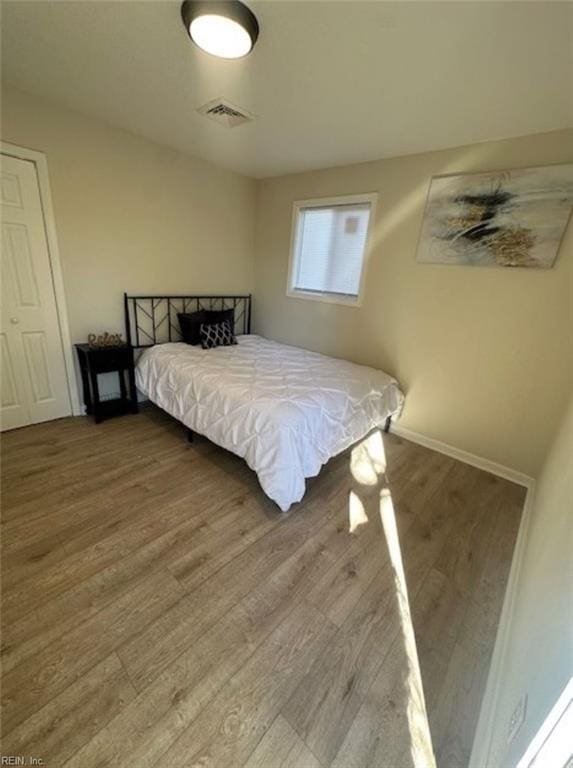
column 326, row 298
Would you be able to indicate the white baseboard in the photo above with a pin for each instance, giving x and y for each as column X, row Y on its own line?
column 468, row 458
column 489, row 711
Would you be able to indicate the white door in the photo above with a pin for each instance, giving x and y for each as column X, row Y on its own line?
column 34, row 386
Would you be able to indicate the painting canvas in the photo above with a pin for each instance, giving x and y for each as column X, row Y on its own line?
column 507, row 219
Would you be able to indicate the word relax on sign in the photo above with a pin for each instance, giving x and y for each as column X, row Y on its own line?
column 106, row 340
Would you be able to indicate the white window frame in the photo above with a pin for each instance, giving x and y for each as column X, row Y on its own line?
column 324, row 202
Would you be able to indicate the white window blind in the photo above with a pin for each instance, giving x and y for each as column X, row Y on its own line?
column 329, row 248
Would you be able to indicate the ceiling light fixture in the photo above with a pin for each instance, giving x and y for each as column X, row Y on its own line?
column 224, row 28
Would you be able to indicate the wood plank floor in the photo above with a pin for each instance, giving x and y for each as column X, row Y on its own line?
column 157, row 609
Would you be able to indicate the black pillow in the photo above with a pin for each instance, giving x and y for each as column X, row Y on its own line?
column 217, row 335
column 190, row 322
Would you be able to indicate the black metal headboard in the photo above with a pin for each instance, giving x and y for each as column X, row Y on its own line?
column 153, row 320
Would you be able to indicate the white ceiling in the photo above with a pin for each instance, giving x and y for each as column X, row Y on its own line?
column 330, row 83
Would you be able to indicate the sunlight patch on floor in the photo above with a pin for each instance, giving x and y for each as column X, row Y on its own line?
column 420, row 738
column 356, row 512
column 368, row 459
column 368, row 467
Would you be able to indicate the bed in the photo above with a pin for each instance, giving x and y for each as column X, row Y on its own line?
column 283, row 409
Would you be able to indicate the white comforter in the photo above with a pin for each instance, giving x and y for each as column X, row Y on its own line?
column 285, row 410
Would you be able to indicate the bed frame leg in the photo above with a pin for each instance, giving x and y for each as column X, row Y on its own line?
column 190, row 435
column 387, row 424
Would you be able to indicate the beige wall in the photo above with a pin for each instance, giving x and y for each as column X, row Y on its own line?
column 539, row 657
column 483, row 354
column 132, row 215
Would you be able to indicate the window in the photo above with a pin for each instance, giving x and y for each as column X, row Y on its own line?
column 329, row 246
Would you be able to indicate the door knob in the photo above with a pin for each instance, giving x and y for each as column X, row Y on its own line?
column 14, row 320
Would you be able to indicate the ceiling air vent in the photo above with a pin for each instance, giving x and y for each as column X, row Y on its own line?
column 225, row 113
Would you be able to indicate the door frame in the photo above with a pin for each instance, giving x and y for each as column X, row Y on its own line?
column 40, row 162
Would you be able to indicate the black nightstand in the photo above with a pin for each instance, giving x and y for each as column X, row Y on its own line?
column 94, row 360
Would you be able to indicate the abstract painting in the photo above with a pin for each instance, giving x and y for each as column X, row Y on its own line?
column 503, row 218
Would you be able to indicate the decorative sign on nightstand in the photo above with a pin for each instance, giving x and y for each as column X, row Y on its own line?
column 105, row 340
